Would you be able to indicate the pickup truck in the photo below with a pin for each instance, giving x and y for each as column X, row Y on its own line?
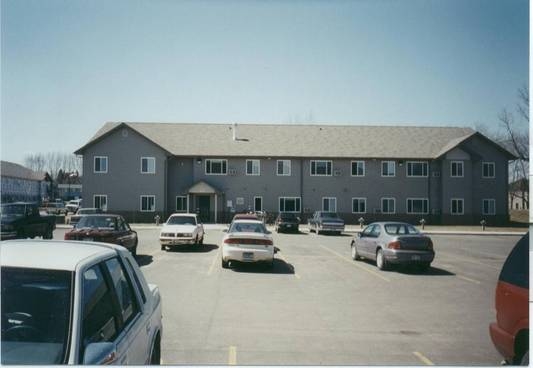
column 326, row 222
column 23, row 220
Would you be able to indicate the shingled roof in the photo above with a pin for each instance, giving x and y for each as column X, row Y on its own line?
column 319, row 141
column 13, row 170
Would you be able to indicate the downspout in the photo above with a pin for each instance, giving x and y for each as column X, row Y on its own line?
column 165, row 189
column 301, row 187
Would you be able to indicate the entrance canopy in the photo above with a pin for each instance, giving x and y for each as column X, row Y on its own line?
column 202, row 187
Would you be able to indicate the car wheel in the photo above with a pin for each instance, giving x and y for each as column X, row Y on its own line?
column 355, row 255
column 380, row 260
column 163, row 247
column 525, row 359
column 225, row 264
column 317, row 232
column 202, row 240
column 49, row 234
column 155, row 355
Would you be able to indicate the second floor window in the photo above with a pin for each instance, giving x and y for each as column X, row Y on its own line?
column 388, row 168
column 417, row 169
column 216, row 167
column 358, row 168
column 252, row 167
column 457, row 169
column 321, row 168
column 284, row 168
column 100, row 164
column 489, row 170
column 148, row 165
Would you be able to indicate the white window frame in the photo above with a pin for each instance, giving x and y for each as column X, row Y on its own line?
column 258, row 197
column 462, row 164
column 326, row 161
column 297, row 200
column 360, row 199
column 417, row 213
column 388, row 162
column 283, row 167
column 141, row 202
column 388, row 199
column 423, row 163
column 489, row 200
column 100, row 196
column 462, row 200
column 186, row 210
column 329, row 199
column 253, row 161
column 106, row 164
column 490, row 163
column 356, row 167
column 218, row 160
column 148, row 158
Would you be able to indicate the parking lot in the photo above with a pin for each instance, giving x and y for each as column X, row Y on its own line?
column 319, row 307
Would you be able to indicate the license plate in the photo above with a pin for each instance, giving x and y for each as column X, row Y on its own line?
column 415, row 258
column 88, row 239
column 247, row 256
column 289, row 225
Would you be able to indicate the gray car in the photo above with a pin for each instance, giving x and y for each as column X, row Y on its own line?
column 393, row 243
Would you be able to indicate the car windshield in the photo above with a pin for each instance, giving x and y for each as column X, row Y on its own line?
column 12, row 210
column 247, row 227
column 181, row 220
column 329, row 215
column 100, row 222
column 401, row 229
column 36, row 309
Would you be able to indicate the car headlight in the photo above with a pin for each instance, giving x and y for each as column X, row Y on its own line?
column 187, row 235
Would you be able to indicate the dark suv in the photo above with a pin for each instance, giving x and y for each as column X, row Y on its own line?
column 286, row 221
column 510, row 332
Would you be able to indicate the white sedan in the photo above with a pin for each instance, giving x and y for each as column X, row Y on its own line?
column 181, row 228
column 72, row 302
column 247, row 241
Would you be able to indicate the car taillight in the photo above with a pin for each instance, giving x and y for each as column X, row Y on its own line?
column 248, row 241
column 394, row 245
column 430, row 244
column 231, row 241
column 67, row 236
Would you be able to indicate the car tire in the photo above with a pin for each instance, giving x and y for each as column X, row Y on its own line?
column 201, row 240
column 155, row 355
column 317, row 232
column 424, row 266
column 163, row 247
column 381, row 262
column 355, row 255
column 525, row 359
column 225, row 264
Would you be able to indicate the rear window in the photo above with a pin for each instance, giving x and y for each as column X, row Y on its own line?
column 400, row 229
column 247, row 227
column 515, row 270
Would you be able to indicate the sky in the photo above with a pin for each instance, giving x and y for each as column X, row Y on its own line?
column 69, row 66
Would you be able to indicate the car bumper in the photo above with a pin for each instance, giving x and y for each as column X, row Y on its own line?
column 503, row 341
column 247, row 255
column 288, row 227
column 337, row 228
column 176, row 241
column 408, row 256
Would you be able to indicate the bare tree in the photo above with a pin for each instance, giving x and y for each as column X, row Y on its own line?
column 53, row 163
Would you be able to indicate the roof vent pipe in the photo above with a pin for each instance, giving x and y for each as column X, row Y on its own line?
column 234, row 131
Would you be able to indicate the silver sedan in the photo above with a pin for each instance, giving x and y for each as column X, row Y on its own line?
column 393, row 243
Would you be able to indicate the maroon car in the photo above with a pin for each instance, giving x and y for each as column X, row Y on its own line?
column 105, row 228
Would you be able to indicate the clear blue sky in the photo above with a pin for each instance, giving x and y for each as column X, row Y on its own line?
column 68, row 66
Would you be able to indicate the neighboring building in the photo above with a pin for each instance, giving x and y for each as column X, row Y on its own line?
column 444, row 175
column 69, row 191
column 519, row 195
column 22, row 184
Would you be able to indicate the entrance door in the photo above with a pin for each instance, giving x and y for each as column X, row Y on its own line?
column 204, row 205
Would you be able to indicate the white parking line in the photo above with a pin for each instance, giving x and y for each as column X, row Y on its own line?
column 472, row 261
column 468, row 279
column 232, row 355
column 422, row 358
column 351, row 262
column 212, row 267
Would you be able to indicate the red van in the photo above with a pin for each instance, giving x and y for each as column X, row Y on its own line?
column 510, row 332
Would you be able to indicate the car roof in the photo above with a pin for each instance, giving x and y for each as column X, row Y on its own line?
column 383, row 223
column 248, row 221
column 251, row 216
column 183, row 214
column 51, row 254
column 102, row 215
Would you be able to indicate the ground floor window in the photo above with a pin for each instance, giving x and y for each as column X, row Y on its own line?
column 489, row 206
column 289, row 204
column 417, row 205
column 147, row 203
column 388, row 205
column 358, row 205
column 100, row 201
column 181, row 204
column 258, row 203
column 457, row 206
column 329, row 204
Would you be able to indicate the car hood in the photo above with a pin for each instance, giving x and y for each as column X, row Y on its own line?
column 178, row 228
column 92, row 232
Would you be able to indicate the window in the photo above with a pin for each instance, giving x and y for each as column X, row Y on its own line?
column 99, row 320
column 417, row 169
column 284, row 167
column 253, row 167
column 320, row 168
column 358, row 205
column 181, row 204
column 216, row 167
column 489, row 170
column 147, row 165
column 133, row 272
column 147, row 203
column 100, row 164
column 289, row 204
column 388, row 168
column 329, row 204
column 388, row 205
column 358, row 168
column 417, row 205
column 258, row 203
column 125, row 294
column 457, row 169
column 457, row 207
column 489, row 207
column 100, row 201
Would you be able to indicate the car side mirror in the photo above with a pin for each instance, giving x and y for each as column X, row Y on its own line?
column 225, row 230
column 99, row 353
